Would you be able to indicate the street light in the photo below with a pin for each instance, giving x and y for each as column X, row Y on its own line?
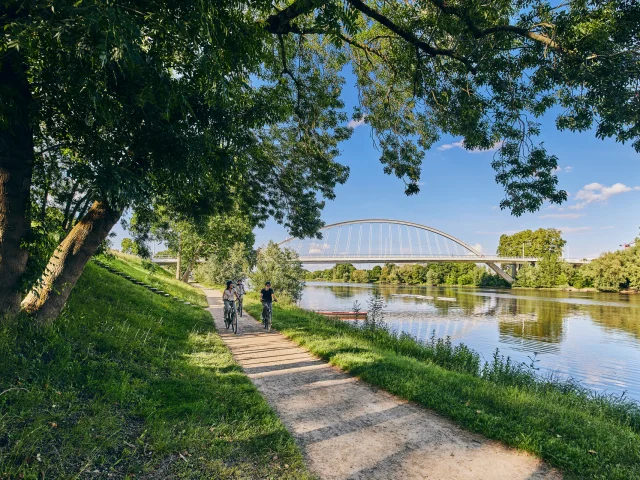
column 523, row 244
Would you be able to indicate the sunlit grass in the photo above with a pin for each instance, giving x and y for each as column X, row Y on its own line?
column 153, row 275
column 127, row 382
column 586, row 436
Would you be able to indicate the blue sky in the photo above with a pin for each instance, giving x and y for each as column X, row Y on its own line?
column 459, row 194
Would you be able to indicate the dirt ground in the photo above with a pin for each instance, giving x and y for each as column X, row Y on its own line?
column 348, row 429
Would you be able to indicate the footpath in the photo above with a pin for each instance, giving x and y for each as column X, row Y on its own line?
column 348, row 429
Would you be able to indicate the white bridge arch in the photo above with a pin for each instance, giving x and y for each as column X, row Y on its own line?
column 391, row 241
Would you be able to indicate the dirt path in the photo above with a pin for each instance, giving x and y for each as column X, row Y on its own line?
column 348, row 429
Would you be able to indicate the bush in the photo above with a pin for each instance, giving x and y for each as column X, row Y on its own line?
column 282, row 268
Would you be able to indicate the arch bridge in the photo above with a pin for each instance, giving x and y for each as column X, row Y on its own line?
column 393, row 241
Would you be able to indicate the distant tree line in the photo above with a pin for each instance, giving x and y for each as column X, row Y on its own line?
column 611, row 272
column 446, row 273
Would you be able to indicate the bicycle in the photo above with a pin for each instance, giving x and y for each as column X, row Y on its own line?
column 266, row 320
column 239, row 306
column 231, row 318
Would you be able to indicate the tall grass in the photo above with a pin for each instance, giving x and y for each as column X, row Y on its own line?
column 585, row 434
column 129, row 384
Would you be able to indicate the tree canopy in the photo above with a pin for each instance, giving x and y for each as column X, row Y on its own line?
column 529, row 243
column 191, row 104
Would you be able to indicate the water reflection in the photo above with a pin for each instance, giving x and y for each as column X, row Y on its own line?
column 593, row 337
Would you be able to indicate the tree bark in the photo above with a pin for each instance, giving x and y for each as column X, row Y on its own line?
column 178, row 259
column 48, row 297
column 72, row 216
column 185, row 277
column 16, row 169
column 67, row 209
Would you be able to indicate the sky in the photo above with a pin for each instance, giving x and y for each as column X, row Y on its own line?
column 459, row 194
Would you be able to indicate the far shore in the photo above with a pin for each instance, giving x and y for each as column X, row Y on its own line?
column 557, row 289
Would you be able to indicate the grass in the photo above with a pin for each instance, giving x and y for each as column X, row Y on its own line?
column 585, row 436
column 129, row 384
column 151, row 274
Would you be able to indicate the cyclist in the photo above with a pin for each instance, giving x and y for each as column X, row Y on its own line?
column 240, row 291
column 229, row 297
column 267, row 296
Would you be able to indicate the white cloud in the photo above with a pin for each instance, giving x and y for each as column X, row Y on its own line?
column 355, row 123
column 448, row 146
column 563, row 215
column 568, row 169
column 477, row 247
column 574, row 229
column 495, row 207
column 596, row 193
column 460, row 144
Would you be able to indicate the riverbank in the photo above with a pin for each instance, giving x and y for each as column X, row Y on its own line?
column 127, row 384
column 585, row 436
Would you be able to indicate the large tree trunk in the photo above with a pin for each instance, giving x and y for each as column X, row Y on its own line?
column 192, row 264
column 48, row 297
column 16, row 168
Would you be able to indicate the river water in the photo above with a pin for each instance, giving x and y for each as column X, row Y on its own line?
column 591, row 337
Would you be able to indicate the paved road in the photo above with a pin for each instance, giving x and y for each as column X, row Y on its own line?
column 348, row 429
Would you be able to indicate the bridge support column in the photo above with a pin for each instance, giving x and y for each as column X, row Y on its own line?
column 514, row 270
column 500, row 272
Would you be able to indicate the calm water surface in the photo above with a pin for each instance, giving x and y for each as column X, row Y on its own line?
column 591, row 337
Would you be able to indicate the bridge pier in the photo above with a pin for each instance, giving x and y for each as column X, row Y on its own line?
column 500, row 272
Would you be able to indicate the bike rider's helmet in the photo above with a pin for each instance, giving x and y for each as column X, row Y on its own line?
column 229, row 283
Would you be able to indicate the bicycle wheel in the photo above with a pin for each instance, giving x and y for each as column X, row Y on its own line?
column 240, row 307
column 234, row 321
column 268, row 322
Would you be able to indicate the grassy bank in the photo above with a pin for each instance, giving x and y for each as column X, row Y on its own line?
column 154, row 275
column 585, row 436
column 131, row 384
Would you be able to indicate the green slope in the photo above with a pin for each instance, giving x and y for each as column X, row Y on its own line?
column 129, row 383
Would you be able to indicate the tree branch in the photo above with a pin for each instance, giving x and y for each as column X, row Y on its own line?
column 409, row 36
column 479, row 33
column 281, row 22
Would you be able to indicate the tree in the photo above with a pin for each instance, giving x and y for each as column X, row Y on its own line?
column 542, row 242
column 360, row 276
column 282, row 268
column 614, row 271
column 153, row 109
column 432, row 278
column 128, row 246
column 233, row 265
column 139, row 131
column 484, row 73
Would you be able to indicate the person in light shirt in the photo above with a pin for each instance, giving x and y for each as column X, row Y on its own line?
column 228, row 297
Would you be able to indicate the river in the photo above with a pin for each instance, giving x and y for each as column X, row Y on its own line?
column 591, row 337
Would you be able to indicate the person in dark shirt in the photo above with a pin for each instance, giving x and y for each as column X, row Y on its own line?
column 267, row 296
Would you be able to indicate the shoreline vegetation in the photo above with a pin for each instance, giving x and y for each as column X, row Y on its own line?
column 556, row 289
column 130, row 384
column 585, row 434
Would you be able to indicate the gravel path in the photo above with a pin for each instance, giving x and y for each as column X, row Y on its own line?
column 348, row 429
